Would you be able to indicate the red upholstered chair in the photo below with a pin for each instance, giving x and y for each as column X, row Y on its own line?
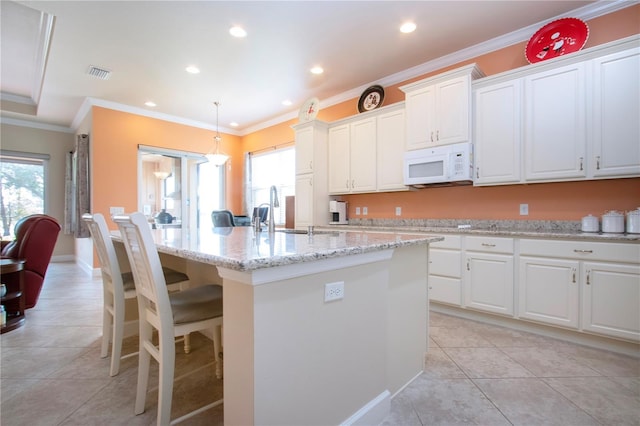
column 36, row 236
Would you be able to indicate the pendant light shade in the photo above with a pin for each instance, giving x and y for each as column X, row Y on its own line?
column 216, row 157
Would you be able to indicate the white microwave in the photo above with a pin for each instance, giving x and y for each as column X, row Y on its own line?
column 440, row 164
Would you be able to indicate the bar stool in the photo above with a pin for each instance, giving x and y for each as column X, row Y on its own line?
column 171, row 315
column 117, row 287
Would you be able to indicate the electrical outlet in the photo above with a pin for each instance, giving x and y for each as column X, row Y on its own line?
column 524, row 209
column 365, row 211
column 116, row 210
column 357, row 210
column 334, row 291
column 398, row 211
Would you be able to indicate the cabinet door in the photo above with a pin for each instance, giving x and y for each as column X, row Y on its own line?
column 616, row 108
column 452, row 111
column 445, row 272
column 489, row 282
column 390, row 151
column 497, row 133
column 555, row 125
column 549, row 291
column 304, row 201
column 304, row 150
column 420, row 120
column 339, row 163
column 362, row 155
column 611, row 299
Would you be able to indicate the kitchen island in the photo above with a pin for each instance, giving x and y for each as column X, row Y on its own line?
column 290, row 357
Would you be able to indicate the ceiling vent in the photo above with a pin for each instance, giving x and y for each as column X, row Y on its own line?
column 101, row 73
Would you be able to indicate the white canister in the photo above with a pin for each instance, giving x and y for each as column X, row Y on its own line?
column 633, row 221
column 590, row 223
column 613, row 222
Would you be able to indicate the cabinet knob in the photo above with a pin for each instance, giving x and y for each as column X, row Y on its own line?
column 597, row 162
column 581, row 168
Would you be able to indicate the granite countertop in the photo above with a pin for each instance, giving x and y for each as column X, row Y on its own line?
column 242, row 249
column 499, row 228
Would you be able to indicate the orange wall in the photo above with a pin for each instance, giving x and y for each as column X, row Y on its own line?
column 547, row 201
column 115, row 137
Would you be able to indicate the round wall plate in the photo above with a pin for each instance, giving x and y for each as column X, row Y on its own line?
column 557, row 38
column 371, row 98
column 309, row 109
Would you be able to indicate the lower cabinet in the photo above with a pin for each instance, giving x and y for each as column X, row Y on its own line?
column 549, row 291
column 611, row 299
column 445, row 270
column 489, row 274
column 590, row 286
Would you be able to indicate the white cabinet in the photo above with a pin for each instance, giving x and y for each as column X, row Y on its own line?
column 312, row 197
column 497, row 115
column 615, row 131
column 445, row 270
column 438, row 109
column 352, row 157
column 611, row 299
column 549, row 291
column 591, row 286
column 390, row 150
column 489, row 274
column 555, row 124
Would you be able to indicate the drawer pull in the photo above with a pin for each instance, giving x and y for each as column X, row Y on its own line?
column 488, row 245
column 468, row 269
column 583, row 251
column 574, row 276
column 478, row 172
column 588, row 277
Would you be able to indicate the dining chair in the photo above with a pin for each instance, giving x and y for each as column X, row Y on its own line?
column 222, row 218
column 170, row 314
column 117, row 287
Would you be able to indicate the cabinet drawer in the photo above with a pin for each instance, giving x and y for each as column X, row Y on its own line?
column 445, row 290
column 583, row 250
column 489, row 244
column 445, row 263
column 449, row 242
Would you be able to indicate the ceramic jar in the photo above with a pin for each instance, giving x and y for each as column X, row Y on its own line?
column 633, row 221
column 613, row 222
column 590, row 223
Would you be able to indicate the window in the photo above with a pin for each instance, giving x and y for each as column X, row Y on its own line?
column 22, row 187
column 182, row 183
column 273, row 168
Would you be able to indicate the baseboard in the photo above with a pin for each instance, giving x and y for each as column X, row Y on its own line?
column 580, row 338
column 372, row 413
column 63, row 258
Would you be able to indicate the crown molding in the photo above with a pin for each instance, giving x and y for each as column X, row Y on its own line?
column 35, row 125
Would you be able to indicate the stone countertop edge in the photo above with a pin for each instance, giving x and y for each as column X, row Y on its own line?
column 249, row 265
column 515, row 229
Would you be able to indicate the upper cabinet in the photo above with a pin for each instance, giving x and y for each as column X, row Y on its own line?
column 438, row 109
column 570, row 118
column 555, row 125
column 615, row 130
column 366, row 152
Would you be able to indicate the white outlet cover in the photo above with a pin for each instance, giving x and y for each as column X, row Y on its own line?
column 333, row 291
column 524, row 209
column 357, row 210
column 398, row 211
column 365, row 211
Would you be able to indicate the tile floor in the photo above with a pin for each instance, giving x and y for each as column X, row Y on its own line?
column 51, row 373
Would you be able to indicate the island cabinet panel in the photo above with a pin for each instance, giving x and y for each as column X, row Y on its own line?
column 555, row 124
column 616, row 107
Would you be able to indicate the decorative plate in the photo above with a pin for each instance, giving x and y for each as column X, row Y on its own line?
column 557, row 38
column 371, row 98
column 309, row 109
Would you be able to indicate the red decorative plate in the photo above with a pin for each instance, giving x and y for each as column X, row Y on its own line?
column 557, row 38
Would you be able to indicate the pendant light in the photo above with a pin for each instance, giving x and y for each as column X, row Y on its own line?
column 217, row 158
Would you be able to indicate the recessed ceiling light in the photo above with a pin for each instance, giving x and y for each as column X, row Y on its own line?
column 287, row 102
column 316, row 70
column 233, row 124
column 192, row 69
column 237, row 32
column 150, row 104
column 407, row 27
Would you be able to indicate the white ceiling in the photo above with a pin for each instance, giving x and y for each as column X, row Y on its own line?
column 148, row 44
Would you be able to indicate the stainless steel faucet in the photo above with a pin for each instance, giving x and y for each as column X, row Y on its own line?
column 273, row 202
